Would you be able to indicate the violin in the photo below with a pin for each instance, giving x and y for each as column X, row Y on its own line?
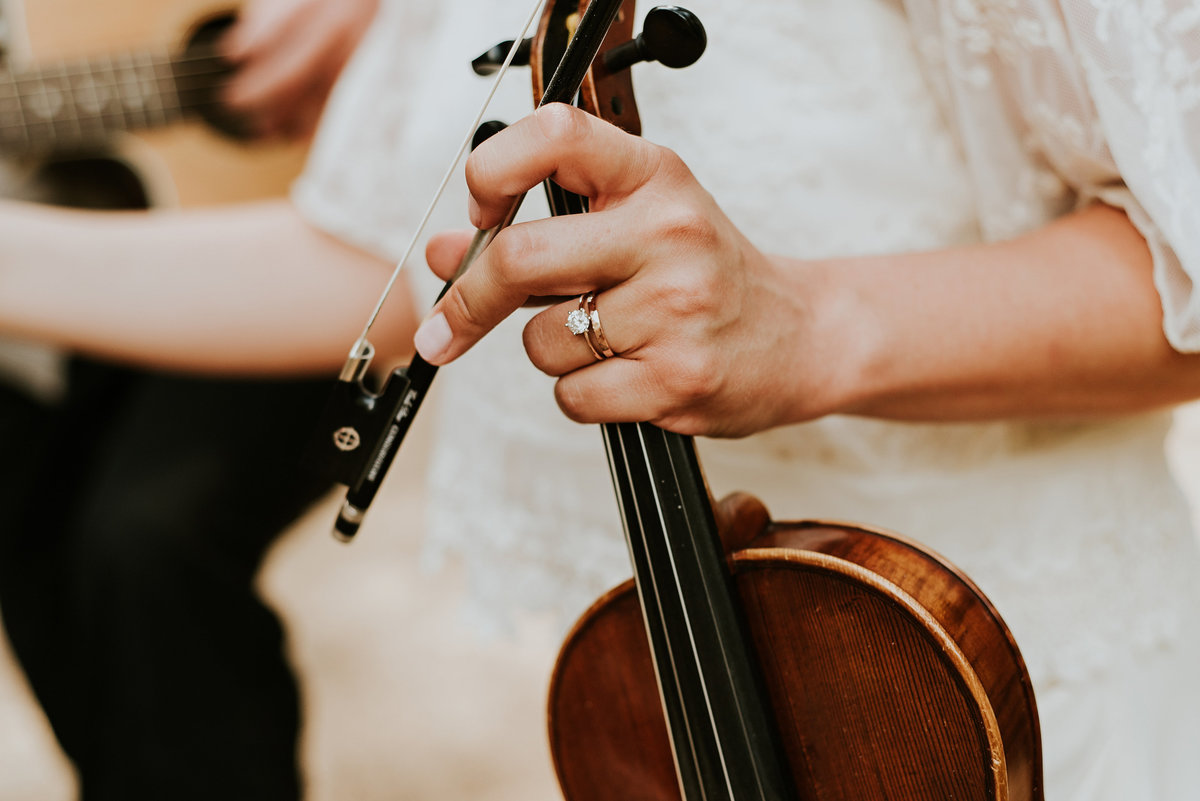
column 747, row 659
column 750, row 659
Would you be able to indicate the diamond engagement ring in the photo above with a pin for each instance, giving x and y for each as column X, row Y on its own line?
column 578, row 320
column 585, row 321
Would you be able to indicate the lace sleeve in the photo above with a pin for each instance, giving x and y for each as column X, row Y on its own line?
column 1142, row 63
column 1058, row 102
column 353, row 184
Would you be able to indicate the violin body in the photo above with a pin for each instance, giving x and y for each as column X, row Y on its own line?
column 747, row 660
column 889, row 674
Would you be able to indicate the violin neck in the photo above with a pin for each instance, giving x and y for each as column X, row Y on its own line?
column 725, row 744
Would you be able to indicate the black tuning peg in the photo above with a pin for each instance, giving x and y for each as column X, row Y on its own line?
column 489, row 62
column 486, row 131
column 671, row 35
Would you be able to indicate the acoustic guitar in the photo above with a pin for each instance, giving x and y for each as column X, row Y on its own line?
column 138, row 79
column 111, row 104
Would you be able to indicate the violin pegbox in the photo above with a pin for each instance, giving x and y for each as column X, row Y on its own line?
column 671, row 36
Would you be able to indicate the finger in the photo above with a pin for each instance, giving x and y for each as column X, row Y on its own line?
column 580, row 152
column 552, row 346
column 301, row 124
column 278, row 78
column 556, row 350
column 259, row 26
column 445, row 252
column 559, row 256
column 616, row 390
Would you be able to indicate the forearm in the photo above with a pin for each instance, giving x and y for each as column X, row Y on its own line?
column 231, row 290
column 1064, row 322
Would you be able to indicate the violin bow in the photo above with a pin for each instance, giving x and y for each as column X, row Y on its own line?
column 361, row 429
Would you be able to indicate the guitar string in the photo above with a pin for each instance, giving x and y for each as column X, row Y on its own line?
column 114, row 76
column 63, row 107
column 113, row 64
column 110, row 99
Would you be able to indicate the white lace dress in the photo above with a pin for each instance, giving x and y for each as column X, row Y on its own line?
column 836, row 127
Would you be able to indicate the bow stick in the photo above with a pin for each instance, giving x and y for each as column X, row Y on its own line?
column 361, row 430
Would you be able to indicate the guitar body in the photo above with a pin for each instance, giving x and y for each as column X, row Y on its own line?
column 186, row 163
column 890, row 676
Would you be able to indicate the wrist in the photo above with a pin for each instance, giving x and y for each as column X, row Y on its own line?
column 841, row 345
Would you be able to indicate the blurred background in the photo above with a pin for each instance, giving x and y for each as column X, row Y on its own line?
column 401, row 698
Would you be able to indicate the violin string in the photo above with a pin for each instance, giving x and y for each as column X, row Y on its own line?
column 647, row 582
column 677, row 585
column 360, row 345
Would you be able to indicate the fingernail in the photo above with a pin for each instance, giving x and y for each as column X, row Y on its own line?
column 432, row 338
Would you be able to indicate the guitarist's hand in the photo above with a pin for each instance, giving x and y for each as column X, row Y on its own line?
column 289, row 53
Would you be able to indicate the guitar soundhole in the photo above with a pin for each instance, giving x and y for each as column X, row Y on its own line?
column 87, row 183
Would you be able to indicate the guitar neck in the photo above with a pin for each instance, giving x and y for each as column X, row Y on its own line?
column 74, row 105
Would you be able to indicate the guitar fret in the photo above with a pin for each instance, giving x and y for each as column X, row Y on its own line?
column 12, row 106
column 74, row 103
column 168, row 100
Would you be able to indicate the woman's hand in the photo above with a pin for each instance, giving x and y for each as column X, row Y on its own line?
column 289, row 54
column 714, row 337
column 706, row 328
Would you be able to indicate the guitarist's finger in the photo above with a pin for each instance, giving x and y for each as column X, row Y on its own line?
column 257, row 25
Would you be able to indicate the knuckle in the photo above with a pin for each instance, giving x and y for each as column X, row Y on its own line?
column 669, row 163
column 694, row 292
column 691, row 380
column 512, row 248
column 674, row 173
column 459, row 307
column 688, row 225
column 689, row 425
column 559, row 122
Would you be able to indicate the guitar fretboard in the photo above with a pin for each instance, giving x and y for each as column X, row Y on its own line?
column 75, row 104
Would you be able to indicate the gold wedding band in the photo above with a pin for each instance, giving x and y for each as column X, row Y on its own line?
column 585, row 321
column 595, row 334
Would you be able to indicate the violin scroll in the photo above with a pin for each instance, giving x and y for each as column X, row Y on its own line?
column 671, row 36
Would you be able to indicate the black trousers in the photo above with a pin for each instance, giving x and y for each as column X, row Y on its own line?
column 133, row 519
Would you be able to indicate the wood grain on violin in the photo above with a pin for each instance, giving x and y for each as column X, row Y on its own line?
column 83, row 75
column 761, row 661
column 890, row 674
